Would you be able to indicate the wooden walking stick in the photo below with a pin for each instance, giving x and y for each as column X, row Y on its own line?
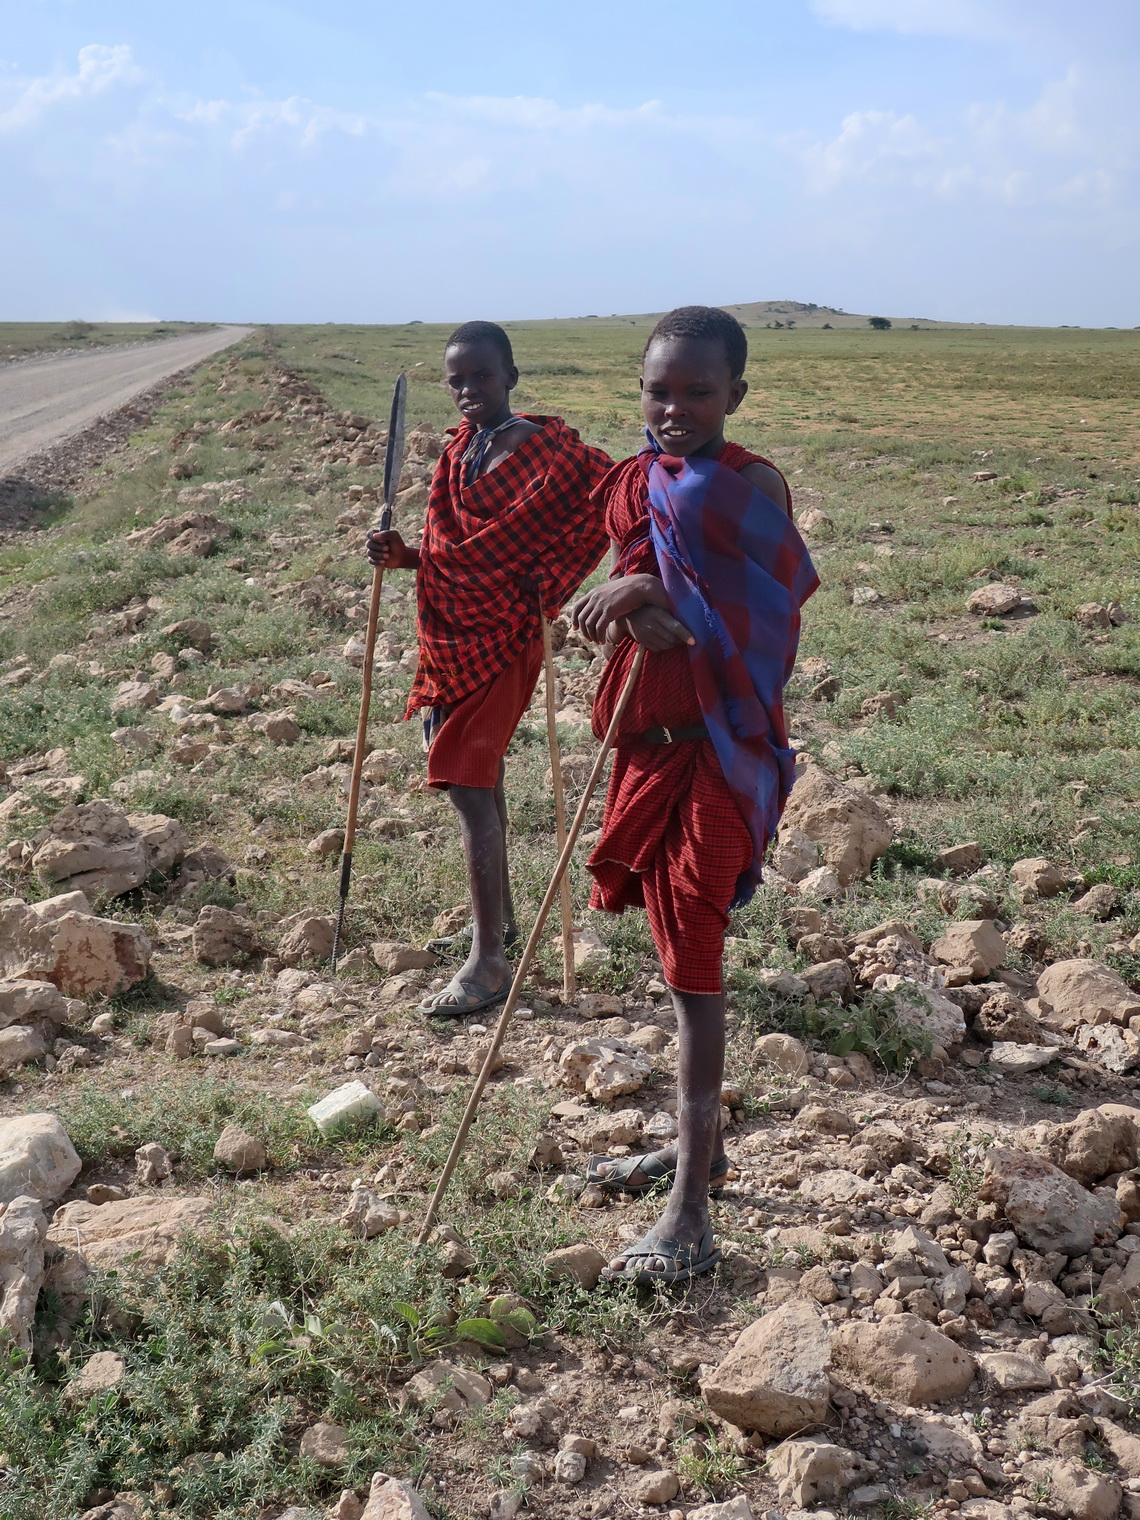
column 393, row 460
column 528, row 953
column 569, row 980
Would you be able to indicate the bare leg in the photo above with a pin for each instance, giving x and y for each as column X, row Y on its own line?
column 509, row 924
column 484, row 845
column 700, row 1074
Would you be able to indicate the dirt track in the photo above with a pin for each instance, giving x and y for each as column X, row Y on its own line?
column 45, row 400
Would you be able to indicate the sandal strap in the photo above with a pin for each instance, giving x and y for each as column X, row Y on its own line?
column 675, row 1251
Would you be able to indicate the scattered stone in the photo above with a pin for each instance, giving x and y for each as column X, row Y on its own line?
column 22, row 1231
column 1075, row 992
column 97, row 849
column 1049, row 1210
column 191, row 631
column 394, row 957
column 328, row 842
column 848, row 826
column 153, row 1164
column 20, row 1046
column 447, row 1386
column 829, row 979
column 785, row 1052
column 1098, row 902
column 809, row 1472
column 393, row 1499
column 737, row 1508
column 347, row 1104
column 961, row 859
column 307, row 937
column 993, row 600
column 36, row 1158
column 134, row 696
column 327, row 1445
column 1038, row 877
column 580, row 1263
column 1075, row 1491
column 98, row 1375
column 905, row 1358
column 1013, row 1372
column 794, row 855
column 222, row 1047
column 1004, row 1017
column 569, row 1467
column 1014, row 1060
column 882, row 704
column 281, row 728
column 657, row 1487
column 606, row 1069
column 222, row 938
column 237, row 1151
column 61, row 941
column 924, row 1009
column 775, row 1378
column 148, row 1230
column 974, row 943
column 368, row 1216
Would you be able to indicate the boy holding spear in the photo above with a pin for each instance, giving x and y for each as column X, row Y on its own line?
column 709, row 577
column 511, row 532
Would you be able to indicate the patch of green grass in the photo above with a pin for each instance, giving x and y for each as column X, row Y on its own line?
column 186, row 1115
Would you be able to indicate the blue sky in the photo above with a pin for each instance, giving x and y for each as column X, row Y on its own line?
column 369, row 161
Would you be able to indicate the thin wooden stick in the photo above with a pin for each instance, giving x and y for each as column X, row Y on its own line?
column 569, row 979
column 358, row 757
column 528, row 954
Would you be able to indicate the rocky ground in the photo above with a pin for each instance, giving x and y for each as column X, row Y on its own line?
column 214, row 1155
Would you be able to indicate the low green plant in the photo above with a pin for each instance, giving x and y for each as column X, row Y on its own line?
column 1118, row 1358
column 966, row 1151
column 710, row 1465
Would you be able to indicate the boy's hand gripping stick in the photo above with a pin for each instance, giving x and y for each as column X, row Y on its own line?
column 393, row 461
column 528, row 954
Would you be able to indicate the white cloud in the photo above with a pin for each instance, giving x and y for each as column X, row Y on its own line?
column 1066, row 148
column 98, row 69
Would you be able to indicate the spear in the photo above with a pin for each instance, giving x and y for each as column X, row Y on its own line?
column 393, row 460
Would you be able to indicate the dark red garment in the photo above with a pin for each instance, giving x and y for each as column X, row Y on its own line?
column 473, row 737
column 529, row 529
column 673, row 839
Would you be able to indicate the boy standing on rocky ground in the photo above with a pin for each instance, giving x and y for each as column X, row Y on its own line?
column 709, row 576
column 511, row 532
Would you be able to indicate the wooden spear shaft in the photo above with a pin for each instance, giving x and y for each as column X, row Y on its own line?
column 528, row 953
column 569, row 980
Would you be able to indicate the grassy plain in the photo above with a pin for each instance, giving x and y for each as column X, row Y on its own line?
column 1021, row 733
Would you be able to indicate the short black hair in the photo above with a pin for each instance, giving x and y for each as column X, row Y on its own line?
column 483, row 332
column 705, row 322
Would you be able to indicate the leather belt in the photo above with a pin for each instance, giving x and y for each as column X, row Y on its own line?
column 673, row 735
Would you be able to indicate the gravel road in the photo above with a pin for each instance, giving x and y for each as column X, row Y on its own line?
column 45, row 400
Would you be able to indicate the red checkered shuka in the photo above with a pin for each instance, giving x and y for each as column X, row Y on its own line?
column 673, row 840
column 530, row 528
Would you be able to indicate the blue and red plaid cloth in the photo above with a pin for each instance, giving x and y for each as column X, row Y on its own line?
column 737, row 573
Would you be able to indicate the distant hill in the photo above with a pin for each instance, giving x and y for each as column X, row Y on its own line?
column 773, row 314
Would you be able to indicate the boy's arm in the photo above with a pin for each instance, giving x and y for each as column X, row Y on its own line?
column 640, row 608
column 770, row 481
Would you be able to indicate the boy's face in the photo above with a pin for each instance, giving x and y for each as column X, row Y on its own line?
column 687, row 392
column 479, row 382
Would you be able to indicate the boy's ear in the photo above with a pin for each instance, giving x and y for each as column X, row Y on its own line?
column 512, row 377
column 641, row 382
column 736, row 394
